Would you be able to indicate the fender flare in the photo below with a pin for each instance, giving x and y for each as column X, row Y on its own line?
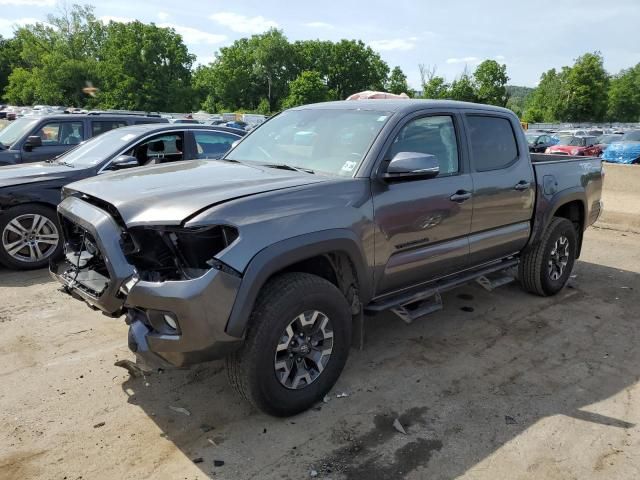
column 287, row 252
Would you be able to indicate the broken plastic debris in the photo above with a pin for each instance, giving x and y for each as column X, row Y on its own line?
column 342, row 395
column 184, row 411
column 313, row 473
column 398, row 426
column 212, row 442
column 133, row 368
column 326, row 399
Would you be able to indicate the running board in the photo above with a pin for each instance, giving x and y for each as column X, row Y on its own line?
column 418, row 302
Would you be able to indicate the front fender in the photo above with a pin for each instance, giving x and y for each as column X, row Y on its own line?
column 287, row 252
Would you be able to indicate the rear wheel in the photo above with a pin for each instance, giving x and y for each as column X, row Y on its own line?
column 296, row 347
column 545, row 269
column 29, row 237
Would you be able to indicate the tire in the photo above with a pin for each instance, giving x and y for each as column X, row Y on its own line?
column 252, row 369
column 17, row 225
column 536, row 273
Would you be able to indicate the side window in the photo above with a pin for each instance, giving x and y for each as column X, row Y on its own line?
column 213, row 144
column 104, row 126
column 61, row 133
column 432, row 135
column 493, row 143
column 159, row 149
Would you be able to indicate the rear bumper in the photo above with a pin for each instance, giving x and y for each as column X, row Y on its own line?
column 199, row 307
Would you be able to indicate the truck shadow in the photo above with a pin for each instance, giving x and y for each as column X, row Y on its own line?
column 463, row 383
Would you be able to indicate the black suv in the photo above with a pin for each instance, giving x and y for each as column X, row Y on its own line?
column 37, row 138
column 29, row 229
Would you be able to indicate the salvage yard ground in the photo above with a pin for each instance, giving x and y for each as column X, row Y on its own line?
column 498, row 385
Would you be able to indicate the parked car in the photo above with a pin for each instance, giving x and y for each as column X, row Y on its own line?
column 627, row 150
column 573, row 145
column 29, row 229
column 237, row 124
column 603, row 141
column 38, row 138
column 270, row 256
column 539, row 142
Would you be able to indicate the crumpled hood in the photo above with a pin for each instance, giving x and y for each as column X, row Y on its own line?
column 622, row 152
column 168, row 194
column 33, row 172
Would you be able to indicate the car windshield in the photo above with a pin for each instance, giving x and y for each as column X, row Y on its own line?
column 98, row 149
column 571, row 141
column 631, row 136
column 608, row 139
column 321, row 140
column 532, row 137
column 16, row 130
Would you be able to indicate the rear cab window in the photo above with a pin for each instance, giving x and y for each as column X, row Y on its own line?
column 492, row 141
column 101, row 126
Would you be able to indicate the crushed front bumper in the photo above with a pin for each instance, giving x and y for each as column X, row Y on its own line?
column 199, row 307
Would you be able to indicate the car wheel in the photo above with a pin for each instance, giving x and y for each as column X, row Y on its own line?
column 545, row 269
column 296, row 345
column 29, row 237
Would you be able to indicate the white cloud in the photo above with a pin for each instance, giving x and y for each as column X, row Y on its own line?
column 163, row 16
column 111, row 18
column 402, row 44
column 7, row 26
column 194, row 36
column 242, row 24
column 499, row 57
column 33, row 3
column 204, row 60
column 471, row 60
column 328, row 26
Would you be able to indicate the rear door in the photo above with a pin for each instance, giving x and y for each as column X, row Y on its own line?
column 57, row 136
column 212, row 144
column 423, row 224
column 504, row 187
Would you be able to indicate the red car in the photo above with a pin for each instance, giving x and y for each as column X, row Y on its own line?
column 574, row 145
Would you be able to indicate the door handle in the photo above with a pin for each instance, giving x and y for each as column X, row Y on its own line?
column 522, row 185
column 460, row 196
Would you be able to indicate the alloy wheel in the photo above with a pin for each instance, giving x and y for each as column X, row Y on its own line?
column 30, row 238
column 559, row 257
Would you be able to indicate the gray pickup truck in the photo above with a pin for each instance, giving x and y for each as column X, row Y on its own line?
column 272, row 256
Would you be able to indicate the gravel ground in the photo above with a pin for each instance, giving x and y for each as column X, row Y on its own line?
column 513, row 386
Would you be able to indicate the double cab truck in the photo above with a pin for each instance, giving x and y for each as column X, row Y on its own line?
column 272, row 256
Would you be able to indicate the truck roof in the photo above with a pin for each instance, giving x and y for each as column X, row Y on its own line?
column 405, row 106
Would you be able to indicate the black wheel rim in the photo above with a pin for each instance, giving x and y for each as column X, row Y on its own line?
column 558, row 258
column 303, row 350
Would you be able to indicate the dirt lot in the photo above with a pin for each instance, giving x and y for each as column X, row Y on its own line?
column 519, row 387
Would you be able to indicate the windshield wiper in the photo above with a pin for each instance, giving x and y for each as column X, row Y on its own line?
column 284, row 166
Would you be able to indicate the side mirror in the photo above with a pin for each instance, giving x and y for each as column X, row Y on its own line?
column 32, row 142
column 412, row 165
column 124, row 161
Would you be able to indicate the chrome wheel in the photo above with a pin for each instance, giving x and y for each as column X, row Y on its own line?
column 559, row 257
column 304, row 349
column 30, row 238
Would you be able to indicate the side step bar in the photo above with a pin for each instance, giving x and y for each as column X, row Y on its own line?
column 418, row 302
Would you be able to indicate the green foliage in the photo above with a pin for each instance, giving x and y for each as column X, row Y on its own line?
column 308, row 87
column 624, row 96
column 518, row 98
column 585, row 86
column 397, row 82
column 491, row 83
column 463, row 89
column 545, row 103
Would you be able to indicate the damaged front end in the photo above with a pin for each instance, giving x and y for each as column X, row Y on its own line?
column 177, row 297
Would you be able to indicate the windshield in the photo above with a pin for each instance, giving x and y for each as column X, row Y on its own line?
column 608, row 139
column 98, row 149
column 531, row 139
column 571, row 141
column 16, row 130
column 631, row 136
column 322, row 140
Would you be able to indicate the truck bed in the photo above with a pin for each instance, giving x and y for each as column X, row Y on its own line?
column 554, row 157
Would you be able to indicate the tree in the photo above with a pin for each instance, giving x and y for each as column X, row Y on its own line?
column 397, row 82
column 586, row 85
column 491, row 80
column 545, row 102
column 624, row 96
column 463, row 89
column 308, row 87
column 433, row 86
column 355, row 67
column 144, row 67
column 273, row 64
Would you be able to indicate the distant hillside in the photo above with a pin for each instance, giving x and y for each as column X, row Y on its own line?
column 518, row 98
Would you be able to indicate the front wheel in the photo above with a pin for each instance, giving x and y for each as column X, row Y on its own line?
column 296, row 346
column 29, row 237
column 545, row 269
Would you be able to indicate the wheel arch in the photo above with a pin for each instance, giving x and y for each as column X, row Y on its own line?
column 332, row 254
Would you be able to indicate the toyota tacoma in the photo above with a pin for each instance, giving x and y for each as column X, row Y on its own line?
column 272, row 256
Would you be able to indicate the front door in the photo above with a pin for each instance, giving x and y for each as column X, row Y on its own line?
column 423, row 225
column 57, row 137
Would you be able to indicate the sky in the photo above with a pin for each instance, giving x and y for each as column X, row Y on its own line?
column 529, row 37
